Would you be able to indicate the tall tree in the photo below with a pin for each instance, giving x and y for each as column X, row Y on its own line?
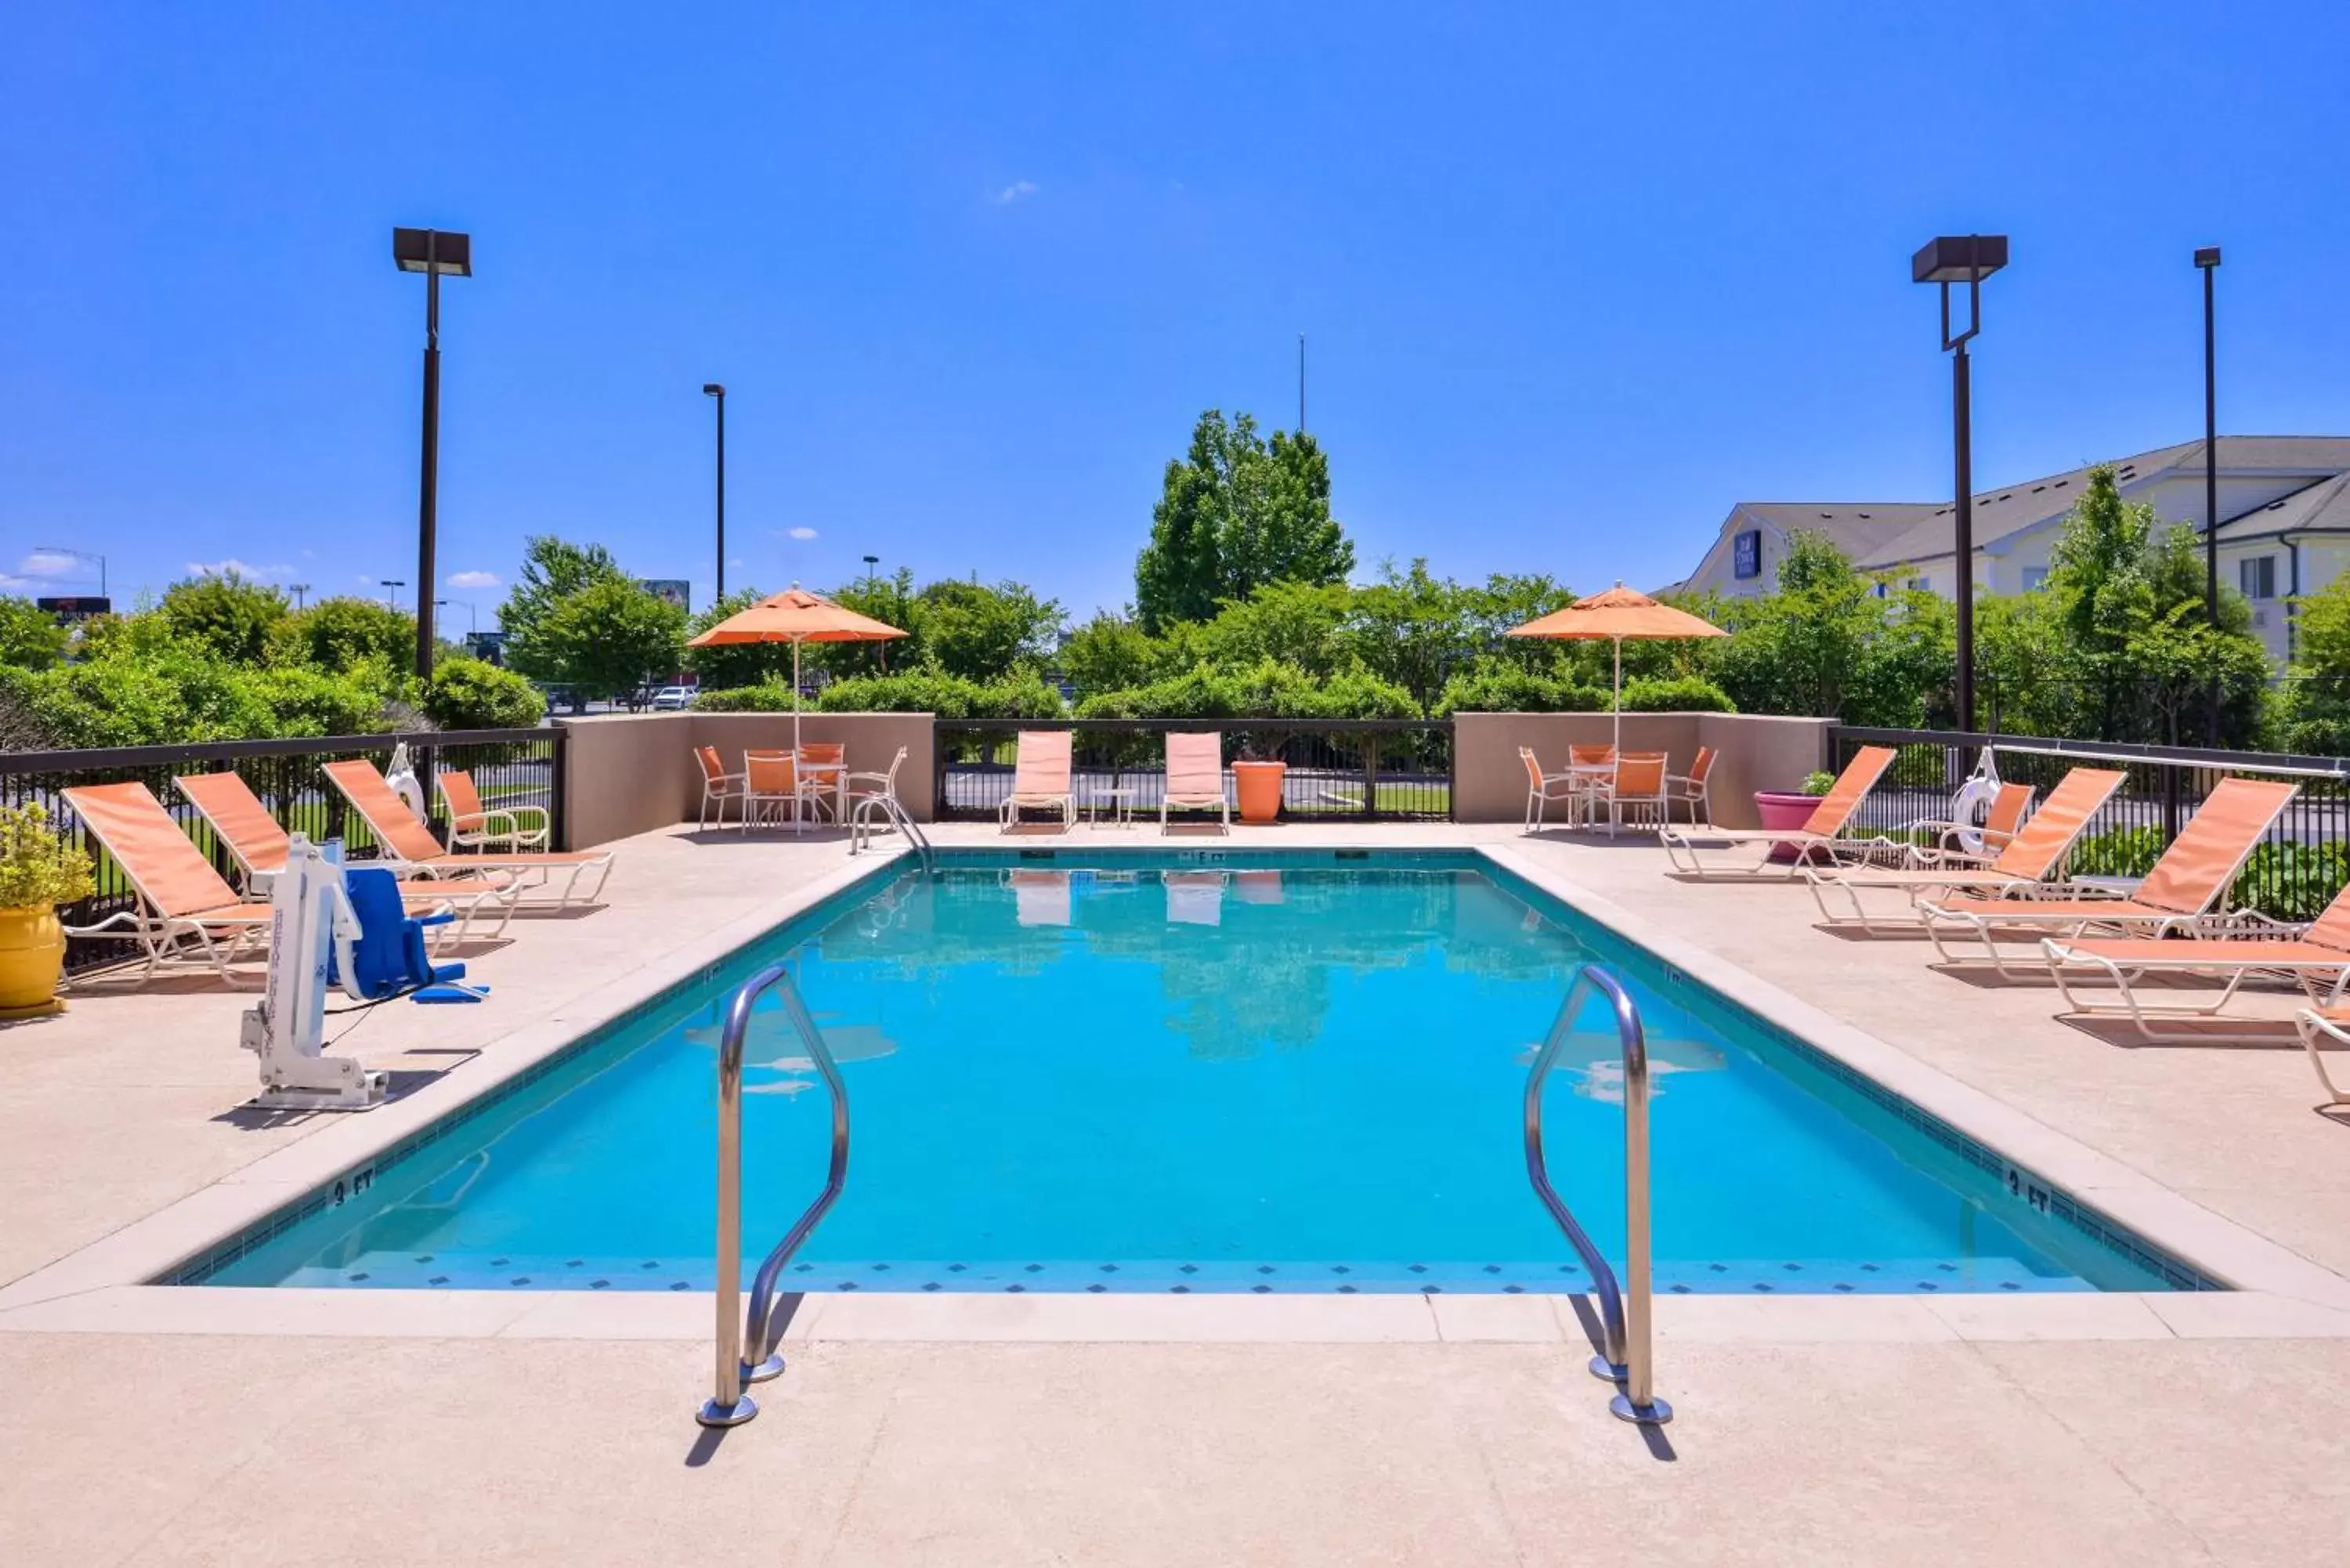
column 30, row 637
column 228, row 616
column 983, row 633
column 739, row 663
column 553, row 570
column 1236, row 512
column 611, row 636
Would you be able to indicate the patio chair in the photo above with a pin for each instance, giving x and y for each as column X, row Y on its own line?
column 2026, row 860
column 1694, row 788
column 409, row 848
column 824, row 773
column 1638, row 783
column 770, row 780
column 718, row 786
column 1821, row 834
column 1590, row 756
column 1966, row 844
column 1195, row 777
column 2334, row 1023
column 187, row 912
column 1542, row 788
column 472, row 826
column 260, row 847
column 1040, row 778
column 2192, row 874
column 2316, row 957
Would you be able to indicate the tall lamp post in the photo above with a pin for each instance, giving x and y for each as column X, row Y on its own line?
column 431, row 251
column 1946, row 260
column 395, row 585
column 2207, row 262
column 713, row 389
column 81, row 556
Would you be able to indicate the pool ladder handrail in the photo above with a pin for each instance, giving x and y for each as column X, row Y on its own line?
column 861, row 828
column 730, row 1405
column 1627, row 1359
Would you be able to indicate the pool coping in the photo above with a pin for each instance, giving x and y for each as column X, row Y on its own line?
column 99, row 1288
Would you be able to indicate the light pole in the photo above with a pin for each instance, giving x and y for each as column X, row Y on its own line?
column 714, row 390
column 395, row 585
column 473, row 616
column 431, row 251
column 298, row 590
column 2207, row 262
column 1946, row 260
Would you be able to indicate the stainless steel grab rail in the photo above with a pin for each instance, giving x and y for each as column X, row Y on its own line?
column 730, row 1405
column 861, row 828
column 1627, row 1359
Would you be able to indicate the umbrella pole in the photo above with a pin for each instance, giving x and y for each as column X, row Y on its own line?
column 1620, row 696
column 797, row 822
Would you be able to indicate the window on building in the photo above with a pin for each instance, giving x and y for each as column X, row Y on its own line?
column 1746, row 553
column 1921, row 585
column 2034, row 578
column 2257, row 577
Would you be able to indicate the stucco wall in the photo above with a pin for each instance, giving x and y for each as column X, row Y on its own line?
column 1490, row 782
column 629, row 773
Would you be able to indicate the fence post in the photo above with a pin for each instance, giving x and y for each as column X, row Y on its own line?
column 1451, row 772
column 1371, row 774
column 558, row 826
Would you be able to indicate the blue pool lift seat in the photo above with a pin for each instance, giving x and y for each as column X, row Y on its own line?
column 389, row 960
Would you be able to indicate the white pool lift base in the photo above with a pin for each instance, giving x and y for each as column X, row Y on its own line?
column 311, row 917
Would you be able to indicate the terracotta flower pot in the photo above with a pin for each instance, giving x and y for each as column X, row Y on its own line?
column 1780, row 808
column 1260, row 790
column 32, row 957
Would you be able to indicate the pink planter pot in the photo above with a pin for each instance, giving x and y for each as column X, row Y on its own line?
column 1777, row 808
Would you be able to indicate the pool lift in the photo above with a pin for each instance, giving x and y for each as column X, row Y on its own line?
column 346, row 929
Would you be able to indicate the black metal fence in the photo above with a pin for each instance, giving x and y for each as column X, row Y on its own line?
column 1353, row 769
column 510, row 768
column 2293, row 875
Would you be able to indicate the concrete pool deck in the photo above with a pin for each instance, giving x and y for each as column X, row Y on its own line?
column 980, row 1428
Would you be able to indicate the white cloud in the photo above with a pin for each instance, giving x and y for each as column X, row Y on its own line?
column 801, row 532
column 472, row 579
column 47, row 564
column 366, row 581
column 227, row 565
column 1018, row 191
column 17, row 584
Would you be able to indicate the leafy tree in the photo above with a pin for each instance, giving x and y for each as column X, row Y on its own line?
column 611, row 637
column 736, row 664
column 1302, row 624
column 30, row 637
column 340, row 632
column 471, row 694
column 1234, row 513
column 1414, row 630
column 302, row 700
column 224, row 614
column 553, row 570
column 985, row 633
column 891, row 600
column 1110, row 653
column 1498, row 685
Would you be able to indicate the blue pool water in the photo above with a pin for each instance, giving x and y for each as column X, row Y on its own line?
column 1254, row 1074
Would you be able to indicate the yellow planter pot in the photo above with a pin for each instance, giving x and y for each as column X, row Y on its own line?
column 32, row 956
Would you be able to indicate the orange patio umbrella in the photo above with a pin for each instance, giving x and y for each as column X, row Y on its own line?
column 1618, row 613
column 796, row 616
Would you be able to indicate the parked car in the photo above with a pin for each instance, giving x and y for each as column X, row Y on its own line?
column 670, row 697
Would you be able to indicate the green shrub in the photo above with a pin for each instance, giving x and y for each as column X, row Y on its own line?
column 1685, row 694
column 764, row 699
column 948, row 696
column 1817, row 783
column 1500, row 686
column 2123, row 852
column 30, row 637
column 36, row 867
column 1267, row 689
column 473, row 694
column 2292, row 881
column 305, row 701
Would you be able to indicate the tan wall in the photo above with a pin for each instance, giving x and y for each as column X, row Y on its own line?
column 632, row 772
column 1755, row 753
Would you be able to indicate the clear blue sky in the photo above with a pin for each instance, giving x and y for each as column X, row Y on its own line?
column 1575, row 278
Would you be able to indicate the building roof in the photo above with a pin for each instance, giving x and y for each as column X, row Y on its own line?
column 2320, row 508
column 1880, row 535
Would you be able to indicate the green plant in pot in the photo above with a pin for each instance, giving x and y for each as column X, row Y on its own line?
column 1817, row 783
column 39, row 871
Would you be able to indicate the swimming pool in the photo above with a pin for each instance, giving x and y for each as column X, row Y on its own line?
column 1194, row 1072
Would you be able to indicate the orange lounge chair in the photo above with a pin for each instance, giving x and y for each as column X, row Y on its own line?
column 409, row 848
column 259, row 846
column 2032, row 854
column 2334, row 1023
column 187, row 911
column 1636, row 781
column 1195, row 777
column 1040, row 778
column 2316, row 957
column 1821, row 832
column 472, row 826
column 2193, row 874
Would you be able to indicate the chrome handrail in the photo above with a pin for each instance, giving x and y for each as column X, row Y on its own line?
column 730, row 1405
column 861, row 828
column 1625, row 1358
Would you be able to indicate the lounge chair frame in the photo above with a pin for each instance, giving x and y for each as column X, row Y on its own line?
column 389, row 831
column 1681, row 845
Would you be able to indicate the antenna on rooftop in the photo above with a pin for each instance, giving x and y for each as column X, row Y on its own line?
column 1301, row 383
